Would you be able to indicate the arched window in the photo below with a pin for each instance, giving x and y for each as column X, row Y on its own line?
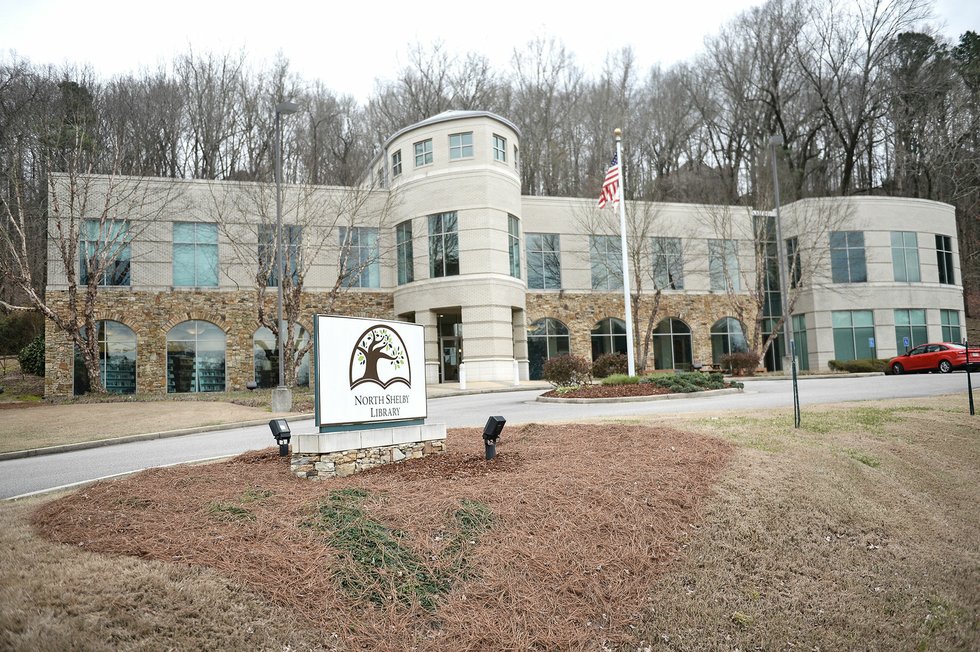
column 609, row 336
column 727, row 336
column 672, row 345
column 117, row 359
column 195, row 357
column 265, row 351
column 546, row 338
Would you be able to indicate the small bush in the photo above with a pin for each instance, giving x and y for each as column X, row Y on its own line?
column 608, row 364
column 567, row 371
column 741, row 363
column 620, row 379
column 31, row 357
column 859, row 366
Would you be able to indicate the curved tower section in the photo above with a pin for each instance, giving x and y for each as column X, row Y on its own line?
column 459, row 264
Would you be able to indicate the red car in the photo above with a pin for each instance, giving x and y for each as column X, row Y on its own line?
column 940, row 356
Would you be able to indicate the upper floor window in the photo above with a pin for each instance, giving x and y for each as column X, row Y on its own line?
column 360, row 265
column 944, row 257
column 443, row 245
column 406, row 258
column 606, row 256
column 423, row 153
column 499, row 148
column 396, row 164
column 905, row 256
column 516, row 166
column 793, row 262
column 847, row 261
column 668, row 263
column 104, row 250
column 195, row 254
column 460, row 145
column 292, row 235
column 723, row 265
column 514, row 245
column 543, row 261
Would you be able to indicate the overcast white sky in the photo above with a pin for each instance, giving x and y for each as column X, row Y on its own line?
column 347, row 45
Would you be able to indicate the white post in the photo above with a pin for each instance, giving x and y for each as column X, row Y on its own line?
column 517, row 373
column 630, row 359
column 462, row 376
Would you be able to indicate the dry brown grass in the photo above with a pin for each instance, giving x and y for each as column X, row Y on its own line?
column 859, row 531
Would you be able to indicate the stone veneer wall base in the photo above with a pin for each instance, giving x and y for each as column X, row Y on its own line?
column 334, row 455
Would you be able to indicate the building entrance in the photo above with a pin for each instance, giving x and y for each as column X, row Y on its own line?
column 450, row 347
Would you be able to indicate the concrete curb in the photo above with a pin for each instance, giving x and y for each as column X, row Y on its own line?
column 640, row 399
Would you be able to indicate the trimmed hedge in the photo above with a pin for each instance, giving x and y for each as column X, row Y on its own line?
column 31, row 357
column 567, row 371
column 859, row 366
column 686, row 382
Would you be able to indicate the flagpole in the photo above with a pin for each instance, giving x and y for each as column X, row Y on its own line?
column 630, row 358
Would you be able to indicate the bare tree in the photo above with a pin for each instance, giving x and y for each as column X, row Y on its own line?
column 318, row 224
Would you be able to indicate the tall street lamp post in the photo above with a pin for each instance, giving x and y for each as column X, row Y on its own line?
column 789, row 353
column 282, row 397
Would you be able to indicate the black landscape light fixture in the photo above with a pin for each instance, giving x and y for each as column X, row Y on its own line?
column 491, row 432
column 280, row 430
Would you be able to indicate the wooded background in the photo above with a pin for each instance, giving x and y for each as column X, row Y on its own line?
column 865, row 102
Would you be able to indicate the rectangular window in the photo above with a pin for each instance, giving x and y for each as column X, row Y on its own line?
column 950, row 320
column 910, row 325
column 195, row 259
column 104, row 248
column 443, row 245
column 460, row 146
column 516, row 166
column 723, row 265
column 607, row 262
column 793, row 262
column 944, row 258
column 359, row 255
column 854, row 334
column 423, row 153
column 514, row 245
column 905, row 256
column 847, row 262
column 799, row 340
column 668, row 263
column 499, row 148
column 406, row 258
column 292, row 236
column 543, row 261
column 396, row 164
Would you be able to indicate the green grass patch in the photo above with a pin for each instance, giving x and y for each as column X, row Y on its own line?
column 864, row 458
column 230, row 512
column 254, row 494
column 380, row 567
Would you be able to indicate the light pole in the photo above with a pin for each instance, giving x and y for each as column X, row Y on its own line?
column 282, row 397
column 789, row 346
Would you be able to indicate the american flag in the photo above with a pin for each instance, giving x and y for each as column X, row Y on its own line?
column 610, row 186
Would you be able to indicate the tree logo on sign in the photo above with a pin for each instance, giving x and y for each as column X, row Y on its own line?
column 380, row 357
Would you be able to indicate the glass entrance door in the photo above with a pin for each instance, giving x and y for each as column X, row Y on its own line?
column 450, row 359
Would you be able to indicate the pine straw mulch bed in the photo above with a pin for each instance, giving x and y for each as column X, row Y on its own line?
column 555, row 544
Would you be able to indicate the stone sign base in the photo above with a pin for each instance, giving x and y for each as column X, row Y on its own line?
column 339, row 454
